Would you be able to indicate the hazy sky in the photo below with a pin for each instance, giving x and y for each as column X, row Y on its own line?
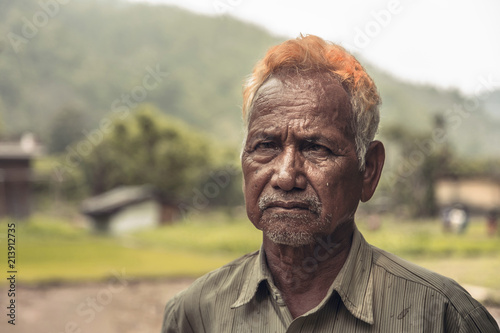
column 449, row 43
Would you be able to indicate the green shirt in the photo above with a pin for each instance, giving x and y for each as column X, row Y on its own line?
column 375, row 291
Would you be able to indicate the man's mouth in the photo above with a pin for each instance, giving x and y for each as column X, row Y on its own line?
column 288, row 205
column 280, row 203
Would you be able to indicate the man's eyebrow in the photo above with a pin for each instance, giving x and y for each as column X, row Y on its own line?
column 321, row 139
column 263, row 133
column 331, row 143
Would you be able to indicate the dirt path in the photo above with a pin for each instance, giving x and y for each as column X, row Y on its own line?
column 115, row 306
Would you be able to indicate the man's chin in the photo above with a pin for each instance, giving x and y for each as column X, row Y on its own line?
column 293, row 239
column 291, row 229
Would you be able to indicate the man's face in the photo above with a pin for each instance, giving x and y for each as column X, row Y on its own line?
column 300, row 168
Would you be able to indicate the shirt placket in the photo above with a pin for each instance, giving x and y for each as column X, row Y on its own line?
column 279, row 306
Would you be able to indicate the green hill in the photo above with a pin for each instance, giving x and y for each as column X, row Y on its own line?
column 92, row 54
column 98, row 57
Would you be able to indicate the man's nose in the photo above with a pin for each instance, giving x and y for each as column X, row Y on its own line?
column 289, row 174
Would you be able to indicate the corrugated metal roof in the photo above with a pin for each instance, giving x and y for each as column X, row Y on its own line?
column 112, row 201
column 20, row 150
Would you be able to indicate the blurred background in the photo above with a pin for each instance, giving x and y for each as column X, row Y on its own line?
column 120, row 131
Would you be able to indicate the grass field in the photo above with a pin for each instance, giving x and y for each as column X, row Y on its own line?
column 48, row 249
column 471, row 258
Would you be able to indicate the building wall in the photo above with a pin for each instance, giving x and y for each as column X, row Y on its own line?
column 479, row 194
column 137, row 216
column 15, row 188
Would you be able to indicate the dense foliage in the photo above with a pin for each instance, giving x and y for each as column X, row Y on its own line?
column 146, row 146
column 92, row 54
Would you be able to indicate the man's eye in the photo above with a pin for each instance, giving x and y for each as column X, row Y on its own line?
column 316, row 148
column 266, row 146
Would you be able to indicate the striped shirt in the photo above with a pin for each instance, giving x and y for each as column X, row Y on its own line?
column 375, row 291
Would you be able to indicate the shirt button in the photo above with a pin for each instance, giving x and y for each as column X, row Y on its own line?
column 279, row 300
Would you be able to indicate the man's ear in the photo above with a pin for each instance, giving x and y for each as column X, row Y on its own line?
column 374, row 162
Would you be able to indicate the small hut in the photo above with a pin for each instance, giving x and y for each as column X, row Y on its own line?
column 123, row 209
column 480, row 194
column 16, row 177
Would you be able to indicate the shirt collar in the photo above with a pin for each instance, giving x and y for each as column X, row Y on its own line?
column 354, row 282
column 258, row 273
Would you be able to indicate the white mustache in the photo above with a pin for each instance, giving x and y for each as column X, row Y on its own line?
column 312, row 202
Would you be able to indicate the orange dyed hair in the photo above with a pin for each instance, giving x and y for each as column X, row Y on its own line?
column 311, row 53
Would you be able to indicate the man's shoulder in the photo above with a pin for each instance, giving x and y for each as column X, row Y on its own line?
column 230, row 272
column 438, row 285
column 223, row 280
column 407, row 270
column 188, row 310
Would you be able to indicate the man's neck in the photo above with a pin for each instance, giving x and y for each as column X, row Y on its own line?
column 304, row 274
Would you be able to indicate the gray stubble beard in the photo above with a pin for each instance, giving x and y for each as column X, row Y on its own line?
column 279, row 227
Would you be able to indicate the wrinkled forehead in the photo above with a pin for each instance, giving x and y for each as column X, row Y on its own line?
column 309, row 79
column 322, row 89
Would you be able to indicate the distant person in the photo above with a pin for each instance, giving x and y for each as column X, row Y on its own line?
column 456, row 218
column 492, row 222
column 309, row 158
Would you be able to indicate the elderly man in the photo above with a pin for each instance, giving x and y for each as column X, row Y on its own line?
column 308, row 159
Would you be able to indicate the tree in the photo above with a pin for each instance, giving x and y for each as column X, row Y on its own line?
column 411, row 173
column 148, row 147
column 65, row 129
